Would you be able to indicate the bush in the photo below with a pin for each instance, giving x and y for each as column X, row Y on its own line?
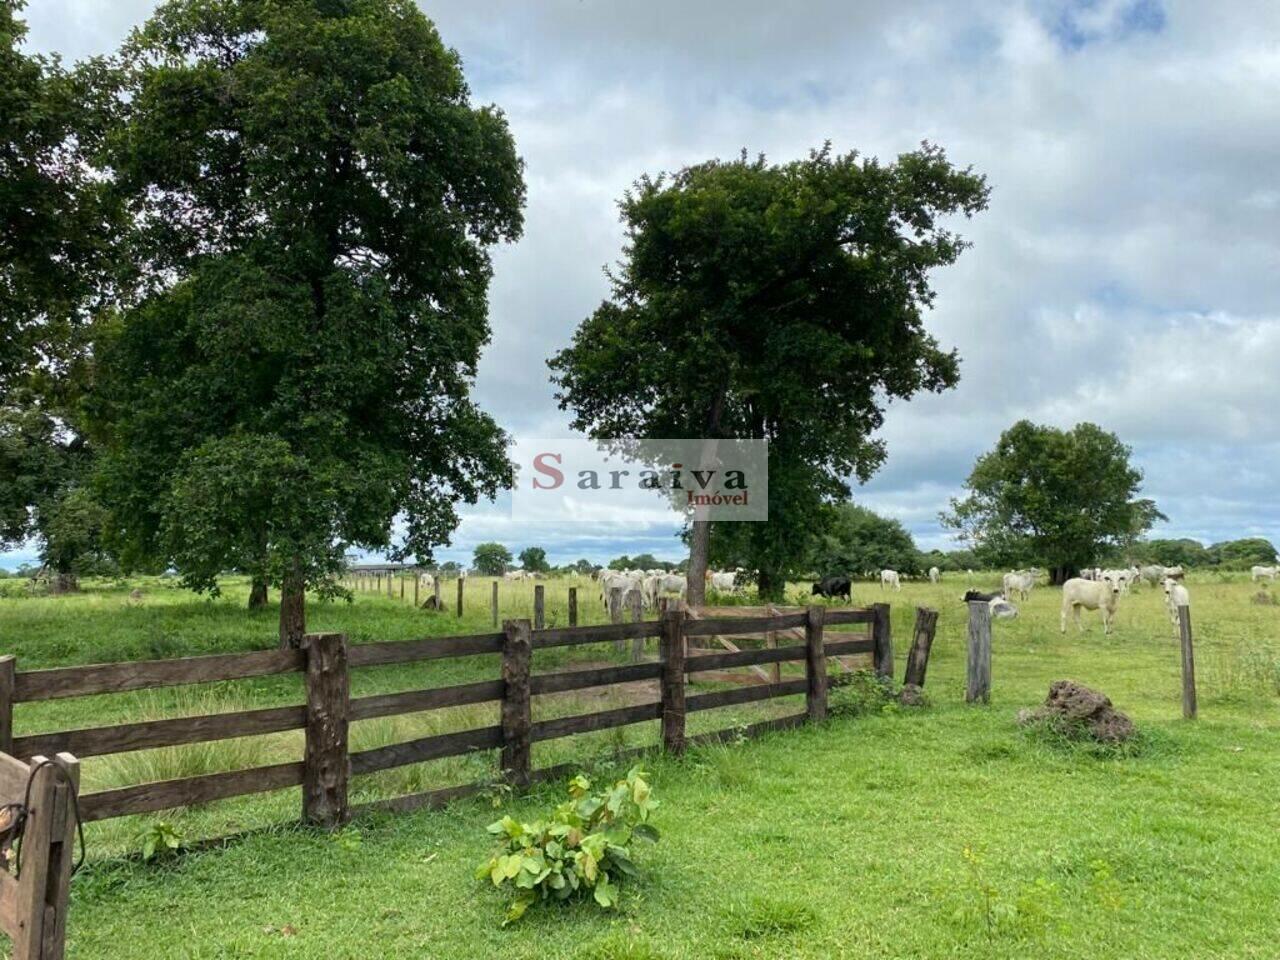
column 861, row 693
column 584, row 846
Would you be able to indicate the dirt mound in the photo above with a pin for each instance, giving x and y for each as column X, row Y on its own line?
column 1080, row 711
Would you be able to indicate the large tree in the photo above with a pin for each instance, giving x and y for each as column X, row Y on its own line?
column 855, row 540
column 314, row 195
column 1059, row 498
column 57, row 219
column 491, row 559
column 777, row 302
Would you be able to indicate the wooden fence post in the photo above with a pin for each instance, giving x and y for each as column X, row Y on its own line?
column 573, row 606
column 815, row 664
column 882, row 637
column 39, row 905
column 539, row 607
column 417, row 581
column 921, row 644
column 8, row 677
column 462, row 582
column 978, row 665
column 673, row 664
column 1189, row 707
column 517, row 713
column 326, row 760
column 493, row 603
column 615, row 614
column 401, row 579
column 637, row 643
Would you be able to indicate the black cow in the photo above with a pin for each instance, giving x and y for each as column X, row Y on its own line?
column 832, row 587
column 979, row 595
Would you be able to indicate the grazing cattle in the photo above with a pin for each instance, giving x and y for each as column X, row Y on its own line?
column 1101, row 595
column 426, row 582
column 1019, row 582
column 662, row 583
column 890, row 578
column 1264, row 573
column 611, row 579
column 723, row 581
column 1152, row 573
column 1175, row 596
column 515, row 575
column 934, row 574
column 1174, row 573
column 832, row 587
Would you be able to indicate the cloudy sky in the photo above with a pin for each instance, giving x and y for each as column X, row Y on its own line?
column 1127, row 272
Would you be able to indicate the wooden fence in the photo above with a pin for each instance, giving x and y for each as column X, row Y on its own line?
column 327, row 659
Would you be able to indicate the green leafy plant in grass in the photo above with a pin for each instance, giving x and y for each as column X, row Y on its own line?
column 159, row 839
column 862, row 692
column 582, row 848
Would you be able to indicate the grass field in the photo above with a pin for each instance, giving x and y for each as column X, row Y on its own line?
column 946, row 832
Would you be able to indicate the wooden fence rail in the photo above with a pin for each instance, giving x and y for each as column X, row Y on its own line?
column 326, row 661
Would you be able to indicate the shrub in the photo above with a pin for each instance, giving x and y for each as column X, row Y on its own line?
column 583, row 847
column 860, row 693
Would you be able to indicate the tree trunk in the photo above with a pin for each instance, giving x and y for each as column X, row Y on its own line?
column 1060, row 575
column 293, row 614
column 258, row 594
column 696, row 577
column 64, row 581
column 770, row 588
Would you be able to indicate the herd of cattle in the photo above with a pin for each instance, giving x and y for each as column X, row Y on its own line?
column 1094, row 590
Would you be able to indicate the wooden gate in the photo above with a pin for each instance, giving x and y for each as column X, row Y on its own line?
column 33, row 900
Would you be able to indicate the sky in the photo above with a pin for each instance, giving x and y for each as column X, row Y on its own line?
column 1126, row 273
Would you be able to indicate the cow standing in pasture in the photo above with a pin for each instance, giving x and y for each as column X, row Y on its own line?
column 1175, row 595
column 1264, row 573
column 832, row 587
column 934, row 574
column 890, row 578
column 1020, row 582
column 1101, row 595
column 663, row 584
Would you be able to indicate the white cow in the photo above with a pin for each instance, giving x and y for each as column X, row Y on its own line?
column 1153, row 573
column 1121, row 577
column 655, row 587
column 934, row 574
column 1101, row 595
column 516, row 575
column 612, row 579
column 426, row 582
column 1264, row 573
column 890, row 578
column 1020, row 582
column 1175, row 596
column 722, row 581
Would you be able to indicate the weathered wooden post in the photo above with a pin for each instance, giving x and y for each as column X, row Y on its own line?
column 517, row 711
column 8, row 679
column 978, row 666
column 921, row 644
column 539, row 607
column 436, row 590
column 882, row 637
column 462, row 582
column 1189, row 707
column 615, row 614
column 815, row 664
column 326, row 761
column 401, row 579
column 390, row 584
column 493, row 603
column 33, row 907
column 673, row 671
column 573, row 606
column 377, row 583
column 417, row 582
column 637, row 643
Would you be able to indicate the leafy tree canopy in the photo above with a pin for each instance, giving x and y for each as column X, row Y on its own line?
column 855, row 541
column 1241, row 554
column 1057, row 498
column 534, row 559
column 780, row 302
column 314, row 196
column 491, row 559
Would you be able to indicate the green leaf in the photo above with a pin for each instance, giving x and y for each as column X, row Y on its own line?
column 606, row 894
column 645, row 831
